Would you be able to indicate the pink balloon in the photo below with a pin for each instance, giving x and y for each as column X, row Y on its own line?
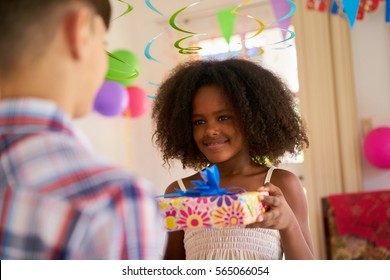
column 139, row 103
column 376, row 147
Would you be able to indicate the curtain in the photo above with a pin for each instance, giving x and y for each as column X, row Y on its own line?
column 327, row 98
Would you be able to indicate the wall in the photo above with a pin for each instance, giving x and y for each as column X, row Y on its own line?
column 371, row 56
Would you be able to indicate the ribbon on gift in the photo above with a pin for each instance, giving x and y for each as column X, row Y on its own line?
column 208, row 186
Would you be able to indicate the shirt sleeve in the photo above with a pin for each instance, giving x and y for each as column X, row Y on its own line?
column 123, row 224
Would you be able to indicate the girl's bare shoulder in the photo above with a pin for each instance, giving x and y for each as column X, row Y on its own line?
column 186, row 181
column 286, row 180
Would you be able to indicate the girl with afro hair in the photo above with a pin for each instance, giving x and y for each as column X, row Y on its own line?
column 241, row 117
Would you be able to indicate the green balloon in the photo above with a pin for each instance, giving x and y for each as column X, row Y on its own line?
column 123, row 67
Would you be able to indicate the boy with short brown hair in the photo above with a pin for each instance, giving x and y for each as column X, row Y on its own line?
column 57, row 199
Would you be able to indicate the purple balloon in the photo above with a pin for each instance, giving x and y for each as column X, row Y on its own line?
column 111, row 99
column 376, row 147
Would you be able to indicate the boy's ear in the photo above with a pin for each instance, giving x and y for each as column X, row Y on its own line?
column 78, row 28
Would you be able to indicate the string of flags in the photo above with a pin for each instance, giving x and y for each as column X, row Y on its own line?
column 352, row 9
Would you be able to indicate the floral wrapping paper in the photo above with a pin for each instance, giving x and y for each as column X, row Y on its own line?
column 218, row 211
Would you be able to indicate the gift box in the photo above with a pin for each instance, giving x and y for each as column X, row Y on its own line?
column 209, row 206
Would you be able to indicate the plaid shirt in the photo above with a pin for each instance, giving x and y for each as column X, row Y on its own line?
column 60, row 201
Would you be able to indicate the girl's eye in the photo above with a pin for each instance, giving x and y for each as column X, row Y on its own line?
column 198, row 122
column 223, row 118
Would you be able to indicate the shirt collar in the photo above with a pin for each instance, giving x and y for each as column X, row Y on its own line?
column 28, row 115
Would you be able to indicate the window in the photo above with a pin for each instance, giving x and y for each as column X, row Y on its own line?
column 281, row 58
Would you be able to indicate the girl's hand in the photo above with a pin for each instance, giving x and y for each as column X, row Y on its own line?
column 279, row 215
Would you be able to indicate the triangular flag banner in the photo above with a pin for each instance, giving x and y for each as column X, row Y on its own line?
column 281, row 9
column 226, row 19
column 350, row 9
column 335, row 8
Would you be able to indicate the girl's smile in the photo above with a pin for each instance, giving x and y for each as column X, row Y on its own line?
column 215, row 144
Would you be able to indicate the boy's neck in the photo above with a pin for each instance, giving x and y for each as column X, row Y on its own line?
column 31, row 85
column 49, row 77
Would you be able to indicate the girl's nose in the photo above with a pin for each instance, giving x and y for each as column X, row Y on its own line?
column 212, row 129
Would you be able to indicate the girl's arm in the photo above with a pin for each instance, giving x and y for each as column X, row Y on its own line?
column 288, row 213
column 175, row 247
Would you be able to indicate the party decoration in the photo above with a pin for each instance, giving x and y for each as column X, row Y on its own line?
column 283, row 11
column 148, row 46
column 128, row 10
column 130, row 72
column 361, row 10
column 111, row 99
column 311, row 4
column 187, row 50
column 323, row 5
column 123, row 67
column 367, row 6
column 172, row 23
column 152, row 7
column 261, row 25
column 138, row 104
column 335, row 8
column 376, row 147
column 226, row 20
column 154, row 84
column 350, row 8
column 372, row 5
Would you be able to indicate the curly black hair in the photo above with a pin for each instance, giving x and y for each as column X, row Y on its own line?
column 267, row 109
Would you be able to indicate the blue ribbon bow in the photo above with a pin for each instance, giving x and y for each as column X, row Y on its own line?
column 208, row 186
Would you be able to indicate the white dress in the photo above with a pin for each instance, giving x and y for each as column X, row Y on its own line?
column 233, row 243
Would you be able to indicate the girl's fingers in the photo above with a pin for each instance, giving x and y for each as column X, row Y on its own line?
column 272, row 189
column 266, row 221
column 270, row 201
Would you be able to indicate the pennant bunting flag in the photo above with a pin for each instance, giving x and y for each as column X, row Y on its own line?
column 351, row 8
column 226, row 20
column 281, row 9
column 323, row 7
column 335, row 8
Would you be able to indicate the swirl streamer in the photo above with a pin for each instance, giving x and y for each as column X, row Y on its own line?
column 154, row 84
column 290, row 33
column 292, row 10
column 172, row 23
column 262, row 26
column 149, row 4
column 188, row 50
column 128, row 10
column 289, row 14
column 122, row 75
column 259, row 22
column 131, row 72
column 148, row 46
